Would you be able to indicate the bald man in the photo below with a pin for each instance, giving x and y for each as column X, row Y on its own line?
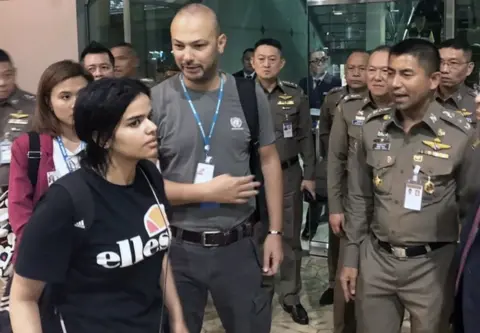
column 204, row 152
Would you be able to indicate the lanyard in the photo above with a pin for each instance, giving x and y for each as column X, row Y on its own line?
column 206, row 139
column 68, row 161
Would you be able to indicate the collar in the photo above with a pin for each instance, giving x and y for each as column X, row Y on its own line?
column 245, row 74
column 13, row 99
column 319, row 78
column 456, row 97
column 431, row 118
column 280, row 86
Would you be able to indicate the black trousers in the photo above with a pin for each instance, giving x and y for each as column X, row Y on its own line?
column 232, row 275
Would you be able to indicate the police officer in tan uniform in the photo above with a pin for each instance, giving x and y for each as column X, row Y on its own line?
column 455, row 67
column 16, row 112
column 292, row 122
column 355, row 75
column 408, row 186
column 346, row 131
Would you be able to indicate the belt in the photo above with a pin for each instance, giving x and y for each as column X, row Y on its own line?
column 215, row 238
column 403, row 252
column 290, row 162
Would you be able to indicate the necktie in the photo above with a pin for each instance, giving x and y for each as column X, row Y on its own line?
column 316, row 83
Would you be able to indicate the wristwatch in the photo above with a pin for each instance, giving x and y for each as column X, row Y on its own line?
column 275, row 232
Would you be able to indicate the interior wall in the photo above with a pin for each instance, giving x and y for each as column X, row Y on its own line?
column 36, row 34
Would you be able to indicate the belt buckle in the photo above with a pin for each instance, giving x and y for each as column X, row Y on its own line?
column 399, row 252
column 204, row 238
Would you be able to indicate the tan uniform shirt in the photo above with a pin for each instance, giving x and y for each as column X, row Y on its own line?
column 462, row 101
column 346, row 131
column 16, row 113
column 442, row 145
column 289, row 106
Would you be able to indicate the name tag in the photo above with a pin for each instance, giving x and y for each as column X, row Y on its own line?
column 358, row 122
column 5, row 152
column 204, row 174
column 383, row 146
column 287, row 130
column 52, row 177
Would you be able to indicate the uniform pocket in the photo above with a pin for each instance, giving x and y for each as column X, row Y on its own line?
column 382, row 175
column 437, row 180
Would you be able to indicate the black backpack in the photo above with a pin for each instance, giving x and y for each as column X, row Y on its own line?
column 248, row 99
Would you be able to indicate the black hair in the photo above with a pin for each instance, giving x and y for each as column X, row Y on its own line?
column 424, row 51
column 381, row 48
column 122, row 44
column 97, row 48
column 5, row 57
column 270, row 42
column 98, row 110
column 458, row 44
column 247, row 50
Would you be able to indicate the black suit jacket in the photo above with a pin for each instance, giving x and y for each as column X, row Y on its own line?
column 240, row 74
column 317, row 95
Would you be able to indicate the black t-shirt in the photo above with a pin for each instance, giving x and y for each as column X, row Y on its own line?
column 110, row 281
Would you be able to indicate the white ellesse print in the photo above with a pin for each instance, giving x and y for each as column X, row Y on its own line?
column 236, row 123
column 133, row 250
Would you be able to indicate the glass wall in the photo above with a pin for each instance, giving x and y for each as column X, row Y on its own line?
column 467, row 25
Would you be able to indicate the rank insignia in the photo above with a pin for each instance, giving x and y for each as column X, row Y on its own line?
column 440, row 132
column 285, row 97
column 434, row 154
column 386, row 117
column 435, row 145
column 377, row 181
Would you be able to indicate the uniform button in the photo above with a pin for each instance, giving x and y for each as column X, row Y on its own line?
column 401, row 171
column 396, row 202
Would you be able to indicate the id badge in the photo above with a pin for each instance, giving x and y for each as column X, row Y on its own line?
column 413, row 196
column 5, row 152
column 204, row 173
column 287, row 130
column 51, row 177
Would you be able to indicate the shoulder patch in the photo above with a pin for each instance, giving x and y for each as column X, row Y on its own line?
column 379, row 112
column 335, row 89
column 352, row 97
column 290, row 84
column 28, row 96
column 456, row 119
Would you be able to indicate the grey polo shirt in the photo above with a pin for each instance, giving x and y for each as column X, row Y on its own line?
column 181, row 146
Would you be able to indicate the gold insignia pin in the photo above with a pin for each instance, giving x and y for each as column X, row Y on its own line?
column 440, row 132
column 437, row 140
column 466, row 113
column 435, row 145
column 475, row 143
column 285, row 97
column 285, row 103
column 386, row 117
column 18, row 115
column 377, row 181
column 417, row 158
column 429, row 187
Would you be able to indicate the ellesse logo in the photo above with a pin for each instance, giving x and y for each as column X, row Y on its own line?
column 132, row 250
column 155, row 220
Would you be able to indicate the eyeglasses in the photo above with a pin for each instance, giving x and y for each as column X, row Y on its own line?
column 452, row 64
column 319, row 61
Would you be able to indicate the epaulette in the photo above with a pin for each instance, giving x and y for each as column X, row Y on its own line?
column 379, row 112
column 352, row 97
column 27, row 96
column 471, row 92
column 334, row 90
column 290, row 84
column 456, row 119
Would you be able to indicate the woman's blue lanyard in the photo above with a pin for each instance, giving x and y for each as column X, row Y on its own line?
column 206, row 139
column 68, row 161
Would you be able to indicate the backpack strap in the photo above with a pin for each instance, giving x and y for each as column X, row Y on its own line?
column 248, row 100
column 79, row 191
column 34, row 154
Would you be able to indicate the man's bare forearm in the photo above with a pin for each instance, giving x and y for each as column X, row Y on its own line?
column 25, row 317
column 182, row 193
column 273, row 178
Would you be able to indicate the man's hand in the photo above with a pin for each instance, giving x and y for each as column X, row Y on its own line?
column 308, row 185
column 232, row 190
column 336, row 223
column 272, row 254
column 477, row 101
column 348, row 278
